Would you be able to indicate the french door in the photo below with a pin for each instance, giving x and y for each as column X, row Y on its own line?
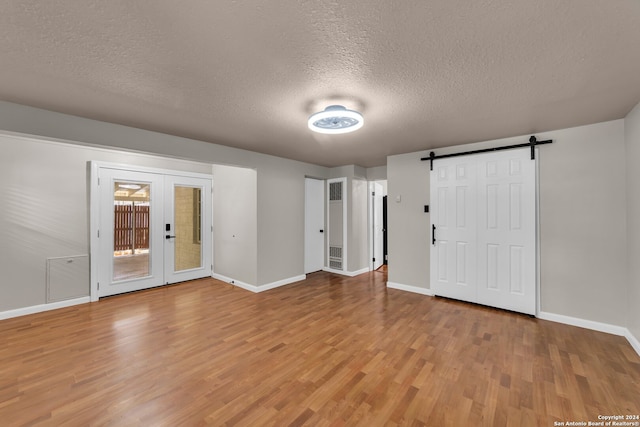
column 483, row 224
column 153, row 228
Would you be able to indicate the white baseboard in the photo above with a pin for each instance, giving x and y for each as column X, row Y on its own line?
column 582, row 323
column 409, row 288
column 558, row 318
column 257, row 289
column 595, row 326
column 234, row 282
column 347, row 273
column 42, row 307
column 282, row 282
column 635, row 343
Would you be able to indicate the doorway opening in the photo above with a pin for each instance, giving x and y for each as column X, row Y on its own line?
column 378, row 224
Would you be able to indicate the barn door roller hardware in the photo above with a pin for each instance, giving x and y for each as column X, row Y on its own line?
column 532, row 143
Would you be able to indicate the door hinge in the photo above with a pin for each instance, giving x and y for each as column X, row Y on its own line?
column 98, row 181
column 98, row 285
column 98, row 233
column 374, row 260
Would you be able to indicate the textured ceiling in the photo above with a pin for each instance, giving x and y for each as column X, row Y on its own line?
column 425, row 73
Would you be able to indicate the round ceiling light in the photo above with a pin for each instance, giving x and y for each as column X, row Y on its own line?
column 335, row 119
column 130, row 186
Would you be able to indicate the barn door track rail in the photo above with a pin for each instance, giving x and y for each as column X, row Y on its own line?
column 532, row 143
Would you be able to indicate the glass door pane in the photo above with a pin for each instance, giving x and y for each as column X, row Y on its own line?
column 187, row 250
column 130, row 231
column 188, row 232
column 131, row 210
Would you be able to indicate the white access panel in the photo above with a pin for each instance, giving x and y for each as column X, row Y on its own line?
column 67, row 278
column 483, row 211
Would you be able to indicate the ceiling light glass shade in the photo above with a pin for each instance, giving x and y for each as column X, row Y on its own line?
column 335, row 119
column 130, row 186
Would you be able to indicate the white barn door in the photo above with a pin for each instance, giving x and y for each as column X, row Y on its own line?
column 483, row 219
column 507, row 230
column 453, row 239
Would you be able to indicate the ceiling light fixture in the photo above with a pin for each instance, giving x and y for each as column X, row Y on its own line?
column 130, row 186
column 335, row 119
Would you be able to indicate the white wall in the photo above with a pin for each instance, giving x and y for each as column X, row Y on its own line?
column 281, row 218
column 44, row 209
column 632, row 143
column 583, row 223
column 582, row 220
column 280, row 182
column 407, row 224
column 235, row 223
column 378, row 173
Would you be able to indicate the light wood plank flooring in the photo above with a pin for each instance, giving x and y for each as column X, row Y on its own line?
column 329, row 351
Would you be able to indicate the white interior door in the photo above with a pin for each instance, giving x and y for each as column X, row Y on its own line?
column 314, row 225
column 483, row 218
column 377, row 231
column 187, row 228
column 152, row 229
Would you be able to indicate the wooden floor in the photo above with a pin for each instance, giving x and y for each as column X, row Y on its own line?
column 330, row 351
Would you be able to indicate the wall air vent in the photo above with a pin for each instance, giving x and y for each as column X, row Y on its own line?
column 335, row 257
column 335, row 191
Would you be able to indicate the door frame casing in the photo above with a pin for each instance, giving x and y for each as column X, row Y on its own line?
column 94, row 211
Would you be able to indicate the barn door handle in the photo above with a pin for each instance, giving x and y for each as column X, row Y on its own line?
column 433, row 234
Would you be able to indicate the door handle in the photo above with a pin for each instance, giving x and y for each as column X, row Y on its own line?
column 322, row 231
column 433, row 234
column 169, row 237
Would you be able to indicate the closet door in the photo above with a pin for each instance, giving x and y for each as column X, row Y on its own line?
column 506, row 230
column 453, row 228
